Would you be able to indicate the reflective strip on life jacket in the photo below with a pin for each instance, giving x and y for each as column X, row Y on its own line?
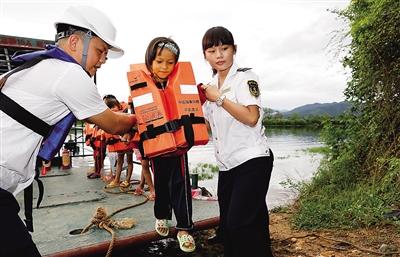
column 170, row 121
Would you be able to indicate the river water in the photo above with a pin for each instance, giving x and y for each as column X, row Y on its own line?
column 292, row 161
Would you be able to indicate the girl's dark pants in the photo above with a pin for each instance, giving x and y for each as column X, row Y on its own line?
column 244, row 219
column 173, row 190
column 15, row 239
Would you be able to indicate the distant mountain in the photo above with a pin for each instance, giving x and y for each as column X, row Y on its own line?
column 332, row 109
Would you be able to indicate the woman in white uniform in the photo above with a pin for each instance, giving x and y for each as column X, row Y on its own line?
column 234, row 115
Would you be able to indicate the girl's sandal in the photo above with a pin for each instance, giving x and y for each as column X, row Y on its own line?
column 152, row 196
column 107, row 178
column 186, row 240
column 125, row 184
column 138, row 191
column 94, row 175
column 113, row 184
column 162, row 224
column 89, row 173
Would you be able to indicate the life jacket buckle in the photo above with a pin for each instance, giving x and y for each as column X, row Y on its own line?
column 144, row 136
column 171, row 126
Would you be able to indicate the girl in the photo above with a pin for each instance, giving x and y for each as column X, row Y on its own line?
column 171, row 174
column 112, row 103
column 243, row 156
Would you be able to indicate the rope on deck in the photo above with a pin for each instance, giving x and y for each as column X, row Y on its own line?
column 102, row 220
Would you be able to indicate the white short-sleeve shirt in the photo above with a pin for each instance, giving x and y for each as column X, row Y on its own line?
column 234, row 141
column 50, row 90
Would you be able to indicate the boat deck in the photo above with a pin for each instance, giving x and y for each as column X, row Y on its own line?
column 70, row 201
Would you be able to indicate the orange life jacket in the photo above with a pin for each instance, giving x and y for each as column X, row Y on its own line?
column 114, row 143
column 88, row 131
column 170, row 120
column 98, row 139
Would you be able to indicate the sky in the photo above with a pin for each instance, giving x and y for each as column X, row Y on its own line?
column 285, row 42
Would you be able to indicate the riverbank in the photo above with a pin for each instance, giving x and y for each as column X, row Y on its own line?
column 288, row 242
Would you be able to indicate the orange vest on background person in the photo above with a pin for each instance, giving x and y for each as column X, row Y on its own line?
column 170, row 121
column 114, row 143
column 88, row 132
column 98, row 138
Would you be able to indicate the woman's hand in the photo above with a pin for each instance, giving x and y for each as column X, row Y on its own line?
column 212, row 92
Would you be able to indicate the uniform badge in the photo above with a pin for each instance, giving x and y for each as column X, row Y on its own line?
column 226, row 90
column 253, row 88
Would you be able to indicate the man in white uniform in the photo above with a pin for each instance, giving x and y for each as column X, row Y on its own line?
column 51, row 90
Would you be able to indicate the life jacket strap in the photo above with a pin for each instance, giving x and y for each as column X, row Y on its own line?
column 112, row 140
column 171, row 126
column 28, row 200
column 187, row 124
column 17, row 112
column 28, row 197
column 138, row 85
column 188, row 130
column 153, row 132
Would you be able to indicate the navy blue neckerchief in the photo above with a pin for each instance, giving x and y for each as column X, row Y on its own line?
column 51, row 50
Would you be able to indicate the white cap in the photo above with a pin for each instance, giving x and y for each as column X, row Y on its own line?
column 99, row 23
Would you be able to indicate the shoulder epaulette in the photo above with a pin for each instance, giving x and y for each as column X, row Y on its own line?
column 244, row 69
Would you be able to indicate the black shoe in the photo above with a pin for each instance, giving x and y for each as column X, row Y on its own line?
column 215, row 239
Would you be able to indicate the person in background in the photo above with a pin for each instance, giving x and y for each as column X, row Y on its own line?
column 171, row 173
column 98, row 144
column 145, row 177
column 234, row 115
column 113, row 103
column 88, row 132
column 53, row 90
column 112, row 157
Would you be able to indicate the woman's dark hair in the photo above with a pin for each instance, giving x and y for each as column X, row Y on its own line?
column 111, row 101
column 216, row 36
column 152, row 50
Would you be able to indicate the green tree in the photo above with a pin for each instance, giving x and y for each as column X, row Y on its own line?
column 374, row 59
column 268, row 113
column 278, row 115
column 364, row 161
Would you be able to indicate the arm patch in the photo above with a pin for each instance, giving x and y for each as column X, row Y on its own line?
column 253, row 88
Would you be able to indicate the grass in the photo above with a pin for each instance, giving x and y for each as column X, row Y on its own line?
column 205, row 171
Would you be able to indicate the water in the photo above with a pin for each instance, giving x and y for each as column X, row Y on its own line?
column 292, row 161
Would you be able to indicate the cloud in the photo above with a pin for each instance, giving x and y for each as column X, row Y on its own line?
column 298, row 69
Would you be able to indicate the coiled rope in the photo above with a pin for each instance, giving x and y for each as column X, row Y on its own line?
column 102, row 220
